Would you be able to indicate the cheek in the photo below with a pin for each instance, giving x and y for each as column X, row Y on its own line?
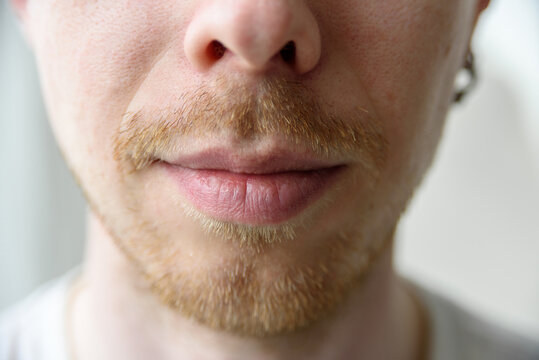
column 92, row 59
column 402, row 50
column 93, row 54
column 405, row 54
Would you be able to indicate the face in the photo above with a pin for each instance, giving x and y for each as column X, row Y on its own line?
column 250, row 157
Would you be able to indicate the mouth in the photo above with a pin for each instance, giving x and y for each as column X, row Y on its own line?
column 252, row 190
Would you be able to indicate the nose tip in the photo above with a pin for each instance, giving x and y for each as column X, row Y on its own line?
column 254, row 34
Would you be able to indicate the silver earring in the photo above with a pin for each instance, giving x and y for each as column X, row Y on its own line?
column 471, row 78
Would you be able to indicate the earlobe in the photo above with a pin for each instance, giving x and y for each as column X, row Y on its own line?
column 481, row 6
column 20, row 8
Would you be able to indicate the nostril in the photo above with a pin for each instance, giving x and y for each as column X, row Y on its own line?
column 288, row 52
column 216, row 50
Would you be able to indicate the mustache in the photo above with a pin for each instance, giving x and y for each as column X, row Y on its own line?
column 275, row 107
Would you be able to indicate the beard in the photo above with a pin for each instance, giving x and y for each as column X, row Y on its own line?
column 271, row 279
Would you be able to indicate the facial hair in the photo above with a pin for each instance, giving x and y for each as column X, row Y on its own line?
column 238, row 296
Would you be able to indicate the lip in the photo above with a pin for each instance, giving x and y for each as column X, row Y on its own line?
column 262, row 190
column 276, row 161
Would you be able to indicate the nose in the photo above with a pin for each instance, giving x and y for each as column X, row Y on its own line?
column 254, row 34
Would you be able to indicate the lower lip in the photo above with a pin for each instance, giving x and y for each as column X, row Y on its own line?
column 255, row 199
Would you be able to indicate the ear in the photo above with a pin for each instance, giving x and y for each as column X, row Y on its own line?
column 481, row 6
column 20, row 8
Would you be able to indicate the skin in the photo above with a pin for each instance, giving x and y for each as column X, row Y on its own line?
column 100, row 59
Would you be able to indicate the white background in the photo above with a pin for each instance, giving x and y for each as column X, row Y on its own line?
column 472, row 231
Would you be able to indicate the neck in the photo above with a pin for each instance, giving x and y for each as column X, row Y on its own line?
column 115, row 315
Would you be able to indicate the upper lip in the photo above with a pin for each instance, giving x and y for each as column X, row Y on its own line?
column 276, row 161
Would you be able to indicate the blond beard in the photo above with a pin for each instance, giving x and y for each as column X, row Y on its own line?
column 238, row 295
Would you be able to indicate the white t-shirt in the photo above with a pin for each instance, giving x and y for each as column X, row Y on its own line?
column 35, row 329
